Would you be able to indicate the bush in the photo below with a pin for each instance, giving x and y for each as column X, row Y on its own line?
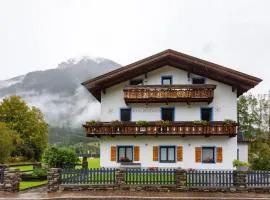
column 143, row 123
column 238, row 163
column 59, row 157
column 39, row 172
column 6, row 142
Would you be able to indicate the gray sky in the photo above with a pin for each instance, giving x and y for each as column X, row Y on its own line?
column 37, row 35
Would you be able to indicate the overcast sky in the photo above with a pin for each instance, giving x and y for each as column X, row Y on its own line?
column 37, row 35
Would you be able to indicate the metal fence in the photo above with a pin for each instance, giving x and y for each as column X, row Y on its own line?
column 141, row 176
column 2, row 175
column 258, row 178
column 210, row 178
column 100, row 176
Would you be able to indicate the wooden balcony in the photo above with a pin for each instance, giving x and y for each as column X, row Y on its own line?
column 155, row 128
column 169, row 93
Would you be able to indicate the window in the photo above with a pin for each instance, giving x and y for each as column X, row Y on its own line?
column 237, row 154
column 136, row 82
column 166, row 80
column 125, row 153
column 198, row 80
column 167, row 114
column 206, row 114
column 167, row 154
column 208, row 154
column 125, row 114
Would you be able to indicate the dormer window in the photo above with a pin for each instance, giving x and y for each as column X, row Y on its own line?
column 136, row 82
column 198, row 80
column 166, row 80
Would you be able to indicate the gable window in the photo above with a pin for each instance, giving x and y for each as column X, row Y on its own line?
column 125, row 114
column 166, row 80
column 167, row 154
column 206, row 114
column 208, row 154
column 198, row 80
column 136, row 82
column 125, row 153
column 167, row 114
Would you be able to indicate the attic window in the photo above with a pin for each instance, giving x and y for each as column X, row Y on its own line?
column 198, row 80
column 136, row 82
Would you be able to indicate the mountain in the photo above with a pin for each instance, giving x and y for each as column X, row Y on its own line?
column 58, row 92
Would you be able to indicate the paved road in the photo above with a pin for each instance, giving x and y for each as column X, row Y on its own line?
column 40, row 193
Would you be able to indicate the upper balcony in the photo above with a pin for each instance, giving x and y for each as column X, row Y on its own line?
column 169, row 93
column 160, row 128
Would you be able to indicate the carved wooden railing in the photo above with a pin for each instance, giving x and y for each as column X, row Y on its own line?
column 153, row 128
column 169, row 93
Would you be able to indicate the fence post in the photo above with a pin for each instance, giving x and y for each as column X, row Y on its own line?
column 120, row 175
column 84, row 163
column 12, row 179
column 180, row 178
column 240, row 179
column 54, row 179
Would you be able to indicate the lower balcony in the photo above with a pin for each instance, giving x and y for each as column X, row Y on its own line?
column 160, row 128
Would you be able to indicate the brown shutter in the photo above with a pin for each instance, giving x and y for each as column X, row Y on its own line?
column 155, row 153
column 219, row 155
column 113, row 153
column 198, row 153
column 179, row 153
column 136, row 153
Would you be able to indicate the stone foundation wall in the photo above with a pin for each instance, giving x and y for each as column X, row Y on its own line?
column 54, row 179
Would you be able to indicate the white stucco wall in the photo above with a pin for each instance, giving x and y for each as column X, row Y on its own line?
column 243, row 151
column 224, row 104
column 146, row 144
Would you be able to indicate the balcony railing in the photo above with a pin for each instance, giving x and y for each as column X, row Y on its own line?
column 155, row 128
column 169, row 93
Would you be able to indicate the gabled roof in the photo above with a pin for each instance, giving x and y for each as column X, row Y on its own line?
column 238, row 80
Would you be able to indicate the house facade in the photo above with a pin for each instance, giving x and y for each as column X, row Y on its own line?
column 169, row 110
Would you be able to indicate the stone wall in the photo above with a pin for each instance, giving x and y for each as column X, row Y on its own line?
column 11, row 182
column 239, row 184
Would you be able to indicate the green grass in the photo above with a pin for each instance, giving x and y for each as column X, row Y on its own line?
column 23, row 167
column 92, row 163
column 29, row 184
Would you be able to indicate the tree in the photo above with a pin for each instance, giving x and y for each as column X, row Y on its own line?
column 59, row 157
column 6, row 142
column 29, row 124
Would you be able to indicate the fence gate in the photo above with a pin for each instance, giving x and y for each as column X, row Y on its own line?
column 258, row 178
column 100, row 176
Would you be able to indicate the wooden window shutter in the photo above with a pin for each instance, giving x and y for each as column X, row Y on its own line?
column 219, row 155
column 179, row 153
column 155, row 153
column 198, row 153
column 136, row 153
column 113, row 153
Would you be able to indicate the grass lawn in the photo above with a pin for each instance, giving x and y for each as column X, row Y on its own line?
column 23, row 167
column 92, row 163
column 29, row 184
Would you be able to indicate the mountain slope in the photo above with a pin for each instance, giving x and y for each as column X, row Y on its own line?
column 58, row 92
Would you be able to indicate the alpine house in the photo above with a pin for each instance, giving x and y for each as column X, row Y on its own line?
column 169, row 110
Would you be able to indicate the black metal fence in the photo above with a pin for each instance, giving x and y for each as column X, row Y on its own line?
column 209, row 178
column 100, row 176
column 2, row 175
column 258, row 178
column 141, row 176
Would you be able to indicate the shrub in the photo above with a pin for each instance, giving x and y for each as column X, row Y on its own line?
column 39, row 172
column 238, row 163
column 229, row 121
column 59, row 157
column 116, row 123
column 162, row 123
column 92, row 123
column 142, row 123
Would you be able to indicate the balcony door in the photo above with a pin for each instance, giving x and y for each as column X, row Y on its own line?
column 167, row 114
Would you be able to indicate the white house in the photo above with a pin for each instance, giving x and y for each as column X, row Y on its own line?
column 169, row 110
